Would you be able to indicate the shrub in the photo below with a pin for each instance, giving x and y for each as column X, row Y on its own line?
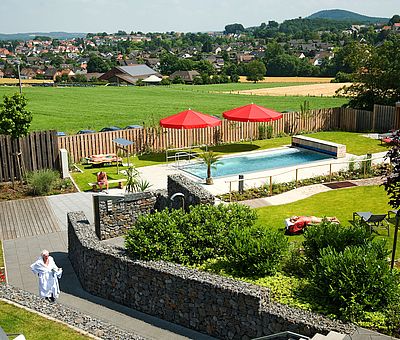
column 270, row 131
column 186, row 238
column 255, row 251
column 41, row 182
column 357, row 279
column 319, row 237
column 156, row 236
column 262, row 131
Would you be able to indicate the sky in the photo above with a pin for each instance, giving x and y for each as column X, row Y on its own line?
column 167, row 15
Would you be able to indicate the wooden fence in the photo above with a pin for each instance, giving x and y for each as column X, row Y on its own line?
column 36, row 151
column 383, row 118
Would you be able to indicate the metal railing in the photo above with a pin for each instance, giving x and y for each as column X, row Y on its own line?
column 269, row 178
column 287, row 335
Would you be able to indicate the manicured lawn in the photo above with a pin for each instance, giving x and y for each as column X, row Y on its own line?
column 340, row 203
column 33, row 326
column 73, row 109
column 356, row 143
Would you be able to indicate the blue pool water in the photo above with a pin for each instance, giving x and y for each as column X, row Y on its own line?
column 257, row 162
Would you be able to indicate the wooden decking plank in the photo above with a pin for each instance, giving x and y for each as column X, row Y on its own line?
column 3, row 226
column 15, row 213
column 33, row 217
column 8, row 222
column 26, row 221
column 40, row 221
column 46, row 216
column 53, row 222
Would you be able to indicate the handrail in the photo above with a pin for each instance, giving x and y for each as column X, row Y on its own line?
column 288, row 334
column 167, row 158
column 306, row 167
column 296, row 170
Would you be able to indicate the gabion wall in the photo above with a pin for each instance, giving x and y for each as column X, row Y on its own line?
column 218, row 306
column 114, row 215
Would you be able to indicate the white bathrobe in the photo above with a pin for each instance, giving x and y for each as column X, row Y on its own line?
column 48, row 277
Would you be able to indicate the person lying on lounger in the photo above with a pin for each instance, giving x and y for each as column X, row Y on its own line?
column 296, row 224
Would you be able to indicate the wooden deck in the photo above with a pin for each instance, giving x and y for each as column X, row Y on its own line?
column 28, row 217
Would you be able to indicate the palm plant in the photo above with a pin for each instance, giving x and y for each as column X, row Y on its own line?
column 209, row 158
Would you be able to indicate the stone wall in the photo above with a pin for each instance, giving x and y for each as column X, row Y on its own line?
column 218, row 306
column 193, row 193
column 113, row 215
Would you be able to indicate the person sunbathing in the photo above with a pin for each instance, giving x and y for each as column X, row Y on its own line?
column 296, row 224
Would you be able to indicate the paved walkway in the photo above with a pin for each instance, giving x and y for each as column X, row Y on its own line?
column 21, row 251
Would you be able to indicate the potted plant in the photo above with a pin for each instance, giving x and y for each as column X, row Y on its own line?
column 210, row 159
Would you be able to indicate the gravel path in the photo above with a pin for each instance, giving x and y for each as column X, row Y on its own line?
column 85, row 324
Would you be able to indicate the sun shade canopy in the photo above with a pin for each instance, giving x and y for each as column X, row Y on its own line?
column 252, row 113
column 189, row 119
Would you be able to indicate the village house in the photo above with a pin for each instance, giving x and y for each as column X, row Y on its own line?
column 186, row 76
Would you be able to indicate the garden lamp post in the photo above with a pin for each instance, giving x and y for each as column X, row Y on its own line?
column 19, row 76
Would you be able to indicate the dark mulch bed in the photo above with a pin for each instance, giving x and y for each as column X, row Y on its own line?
column 9, row 192
column 339, row 185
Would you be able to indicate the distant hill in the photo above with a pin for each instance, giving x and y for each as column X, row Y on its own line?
column 28, row 36
column 342, row 15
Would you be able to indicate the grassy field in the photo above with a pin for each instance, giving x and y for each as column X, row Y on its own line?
column 340, row 203
column 237, row 86
column 73, row 109
column 33, row 326
column 291, row 80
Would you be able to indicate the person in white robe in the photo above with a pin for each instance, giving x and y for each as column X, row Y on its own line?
column 48, row 272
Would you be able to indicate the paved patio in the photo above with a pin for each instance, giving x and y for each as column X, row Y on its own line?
column 22, row 250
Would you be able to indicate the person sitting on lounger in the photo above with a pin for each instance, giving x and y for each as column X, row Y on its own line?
column 102, row 180
column 296, row 224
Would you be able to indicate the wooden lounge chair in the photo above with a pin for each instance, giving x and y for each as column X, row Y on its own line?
column 373, row 221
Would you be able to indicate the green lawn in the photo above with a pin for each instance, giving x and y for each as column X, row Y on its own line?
column 340, row 203
column 33, row 326
column 73, row 109
column 355, row 142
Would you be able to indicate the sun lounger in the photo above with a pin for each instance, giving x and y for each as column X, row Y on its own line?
column 373, row 221
column 107, row 158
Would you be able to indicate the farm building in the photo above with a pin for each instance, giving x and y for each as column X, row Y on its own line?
column 128, row 74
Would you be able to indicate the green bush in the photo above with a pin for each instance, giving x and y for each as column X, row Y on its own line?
column 41, row 182
column 319, row 237
column 186, row 238
column 270, row 131
column 356, row 280
column 255, row 251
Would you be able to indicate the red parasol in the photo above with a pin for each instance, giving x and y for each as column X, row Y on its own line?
column 252, row 113
column 189, row 119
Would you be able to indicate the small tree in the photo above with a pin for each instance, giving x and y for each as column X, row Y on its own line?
column 256, row 70
column 209, row 158
column 15, row 120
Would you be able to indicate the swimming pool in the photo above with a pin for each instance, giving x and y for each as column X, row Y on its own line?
column 259, row 161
